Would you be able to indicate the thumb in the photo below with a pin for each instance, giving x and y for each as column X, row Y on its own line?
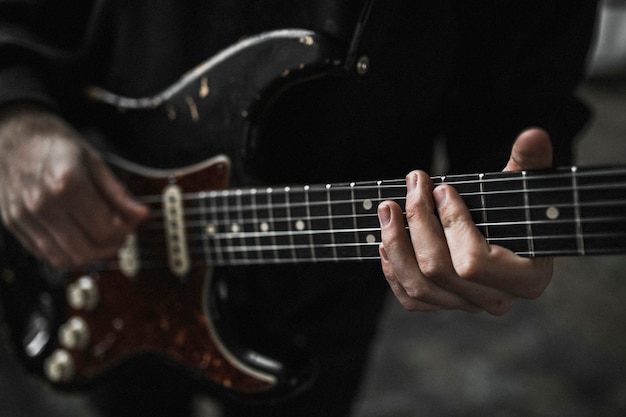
column 115, row 194
column 532, row 150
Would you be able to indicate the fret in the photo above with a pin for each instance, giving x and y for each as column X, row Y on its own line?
column 346, row 247
column 250, row 220
column 580, row 240
column 228, row 229
column 278, row 217
column 290, row 225
column 323, row 243
column 309, row 223
column 206, row 247
column 213, row 229
column 299, row 224
column 333, row 239
column 602, row 206
column 483, row 207
column 266, row 226
column 367, row 197
column 239, row 228
column 505, row 207
column 551, row 208
column 529, row 227
column 355, row 224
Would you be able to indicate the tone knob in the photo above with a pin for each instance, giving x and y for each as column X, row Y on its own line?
column 59, row 367
column 74, row 334
column 83, row 294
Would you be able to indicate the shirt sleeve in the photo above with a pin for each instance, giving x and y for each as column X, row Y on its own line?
column 40, row 41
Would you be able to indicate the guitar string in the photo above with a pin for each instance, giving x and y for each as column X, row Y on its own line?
column 439, row 180
column 226, row 242
column 241, row 211
column 157, row 214
column 148, row 262
column 260, row 249
column 228, row 193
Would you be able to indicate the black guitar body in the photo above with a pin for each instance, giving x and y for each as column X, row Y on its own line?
column 220, row 105
column 33, row 298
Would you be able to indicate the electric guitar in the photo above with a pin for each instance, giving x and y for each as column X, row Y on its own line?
column 157, row 295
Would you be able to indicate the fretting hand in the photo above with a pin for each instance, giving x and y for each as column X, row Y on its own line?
column 446, row 263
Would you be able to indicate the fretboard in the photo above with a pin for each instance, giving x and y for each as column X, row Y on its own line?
column 541, row 213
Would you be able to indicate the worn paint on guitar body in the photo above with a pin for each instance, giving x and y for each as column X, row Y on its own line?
column 156, row 311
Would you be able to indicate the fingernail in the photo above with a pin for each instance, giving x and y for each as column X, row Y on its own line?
column 440, row 196
column 411, row 181
column 384, row 214
column 383, row 252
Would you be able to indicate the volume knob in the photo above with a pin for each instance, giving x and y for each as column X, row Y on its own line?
column 74, row 334
column 59, row 367
column 83, row 294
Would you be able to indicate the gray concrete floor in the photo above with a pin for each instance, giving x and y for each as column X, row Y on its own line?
column 561, row 355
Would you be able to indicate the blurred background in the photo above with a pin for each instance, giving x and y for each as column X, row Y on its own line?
column 561, row 355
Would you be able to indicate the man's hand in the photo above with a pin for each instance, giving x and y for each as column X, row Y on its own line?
column 446, row 263
column 57, row 196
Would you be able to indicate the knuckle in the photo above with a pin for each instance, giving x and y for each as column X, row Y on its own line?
column 35, row 202
column 415, row 213
column 472, row 269
column 15, row 215
column 409, row 305
column 62, row 180
column 417, row 292
column 532, row 292
column 432, row 268
column 501, row 306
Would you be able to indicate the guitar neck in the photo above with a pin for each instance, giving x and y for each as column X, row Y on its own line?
column 542, row 213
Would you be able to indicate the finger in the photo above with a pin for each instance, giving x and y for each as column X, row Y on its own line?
column 117, row 197
column 424, row 249
column 532, row 150
column 103, row 224
column 480, row 269
column 408, row 302
column 35, row 238
column 94, row 223
column 399, row 263
column 59, row 238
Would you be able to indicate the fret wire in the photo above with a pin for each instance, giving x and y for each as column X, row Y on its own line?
column 205, row 237
column 271, row 221
column 529, row 229
column 289, row 223
column 238, row 197
column 255, row 215
column 226, row 222
column 214, row 211
column 579, row 229
column 354, row 219
column 483, row 209
column 330, row 221
column 309, row 221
